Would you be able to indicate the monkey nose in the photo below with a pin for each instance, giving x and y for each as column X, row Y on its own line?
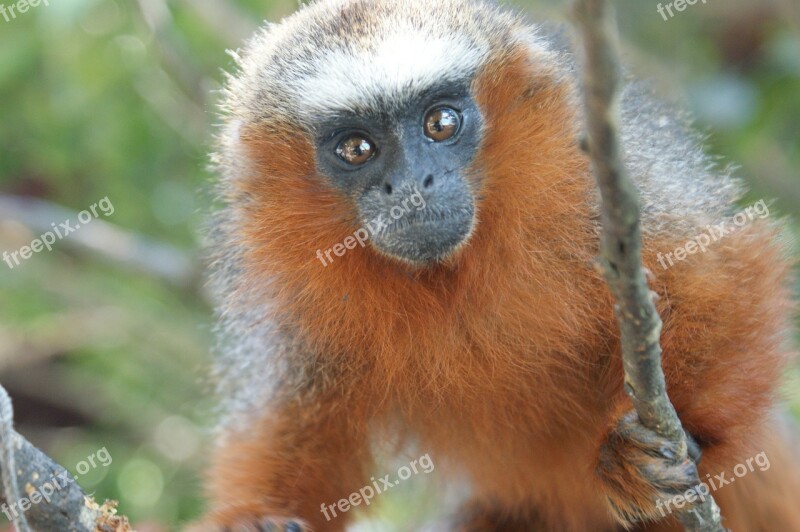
column 427, row 182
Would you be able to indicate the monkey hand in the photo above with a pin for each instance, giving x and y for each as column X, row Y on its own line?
column 246, row 524
column 642, row 470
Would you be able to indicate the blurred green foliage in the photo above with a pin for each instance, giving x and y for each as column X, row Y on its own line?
column 111, row 98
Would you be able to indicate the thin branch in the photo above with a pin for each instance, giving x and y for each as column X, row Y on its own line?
column 105, row 240
column 227, row 21
column 621, row 260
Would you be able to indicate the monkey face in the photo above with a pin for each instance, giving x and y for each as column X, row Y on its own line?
column 407, row 171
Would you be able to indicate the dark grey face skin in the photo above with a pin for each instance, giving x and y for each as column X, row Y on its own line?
column 404, row 165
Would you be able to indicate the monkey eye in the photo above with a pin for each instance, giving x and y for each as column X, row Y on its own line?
column 356, row 150
column 442, row 124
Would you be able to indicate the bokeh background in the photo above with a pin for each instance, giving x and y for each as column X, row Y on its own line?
column 104, row 341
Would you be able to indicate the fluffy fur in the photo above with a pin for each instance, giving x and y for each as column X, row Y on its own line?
column 503, row 361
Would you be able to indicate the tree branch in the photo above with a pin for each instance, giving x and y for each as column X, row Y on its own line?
column 52, row 498
column 105, row 240
column 621, row 256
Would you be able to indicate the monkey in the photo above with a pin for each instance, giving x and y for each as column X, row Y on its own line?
column 476, row 328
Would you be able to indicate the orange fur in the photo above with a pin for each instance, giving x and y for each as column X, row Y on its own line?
column 504, row 360
column 289, row 464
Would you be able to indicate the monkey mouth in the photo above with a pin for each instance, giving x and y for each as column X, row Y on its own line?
column 425, row 237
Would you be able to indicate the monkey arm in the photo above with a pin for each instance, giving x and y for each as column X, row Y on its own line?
column 302, row 453
column 292, row 435
column 724, row 342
